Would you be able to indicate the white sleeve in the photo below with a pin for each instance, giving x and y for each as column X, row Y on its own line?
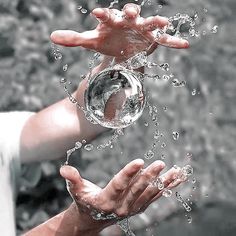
column 11, row 124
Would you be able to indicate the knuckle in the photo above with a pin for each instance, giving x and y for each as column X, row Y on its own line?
column 108, row 207
column 122, row 212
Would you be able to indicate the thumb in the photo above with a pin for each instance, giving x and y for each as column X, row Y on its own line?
column 71, row 174
column 70, row 38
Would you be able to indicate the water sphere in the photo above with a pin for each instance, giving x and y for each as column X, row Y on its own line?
column 115, row 98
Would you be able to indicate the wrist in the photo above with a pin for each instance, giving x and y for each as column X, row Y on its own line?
column 83, row 223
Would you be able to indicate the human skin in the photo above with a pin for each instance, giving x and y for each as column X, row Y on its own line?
column 52, row 131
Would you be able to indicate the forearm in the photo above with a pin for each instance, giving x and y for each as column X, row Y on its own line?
column 69, row 223
column 51, row 132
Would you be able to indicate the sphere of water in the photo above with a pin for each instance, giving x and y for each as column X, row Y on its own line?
column 115, row 98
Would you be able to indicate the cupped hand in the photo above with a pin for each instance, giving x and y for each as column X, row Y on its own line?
column 120, row 33
column 130, row 191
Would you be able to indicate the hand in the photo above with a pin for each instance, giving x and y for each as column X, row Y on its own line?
column 127, row 194
column 120, row 34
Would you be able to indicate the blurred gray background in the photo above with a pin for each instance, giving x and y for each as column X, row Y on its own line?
column 206, row 121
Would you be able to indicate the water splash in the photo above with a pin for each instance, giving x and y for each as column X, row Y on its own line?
column 125, row 226
column 88, row 147
column 69, row 152
column 65, row 67
column 158, row 182
column 165, row 66
column 99, row 215
column 184, row 203
column 149, row 154
column 177, row 84
column 214, row 29
column 167, row 193
column 175, row 135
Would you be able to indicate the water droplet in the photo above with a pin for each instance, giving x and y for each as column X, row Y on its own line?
column 187, row 207
column 137, row 61
column 119, row 132
column 79, row 7
column 187, row 170
column 78, row 145
column 84, row 11
column 165, row 108
column 165, row 77
column 192, row 32
column 69, row 152
column 214, row 29
column 194, row 92
column 179, row 197
column 175, row 135
column 154, row 118
column 163, row 145
column 167, row 193
column 83, row 77
column 65, row 67
column 149, row 154
column 58, row 56
column 88, row 147
column 195, row 17
column 156, row 134
column 189, row 155
column 96, row 55
column 84, row 141
column 194, row 180
column 176, row 83
column 72, row 99
column 165, row 66
column 158, row 183
column 146, row 124
column 163, row 156
column 205, row 9
column 189, row 219
column 63, row 80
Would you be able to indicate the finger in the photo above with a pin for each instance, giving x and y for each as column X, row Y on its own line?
column 143, row 180
column 151, row 191
column 120, row 182
column 173, row 42
column 70, row 38
column 131, row 11
column 71, row 174
column 153, row 22
column 102, row 14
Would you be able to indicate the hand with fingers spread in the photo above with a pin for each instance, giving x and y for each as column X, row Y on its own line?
column 130, row 192
column 120, row 34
